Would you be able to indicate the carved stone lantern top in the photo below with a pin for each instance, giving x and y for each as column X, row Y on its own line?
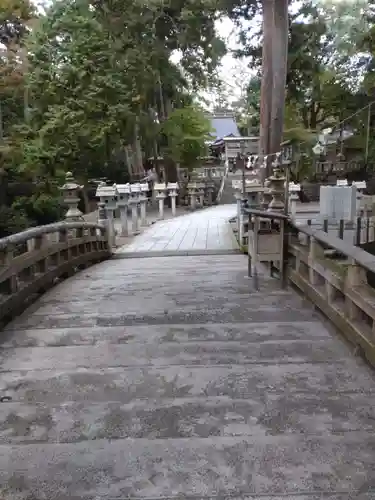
column 70, row 184
column 108, row 194
column 160, row 189
column 123, row 194
column 172, row 187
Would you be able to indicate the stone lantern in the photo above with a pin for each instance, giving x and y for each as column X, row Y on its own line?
column 210, row 188
column 108, row 195
column 160, row 195
column 200, row 192
column 134, row 200
column 123, row 204
column 193, row 192
column 143, row 201
column 70, row 192
column 293, row 189
column 276, row 189
column 172, row 192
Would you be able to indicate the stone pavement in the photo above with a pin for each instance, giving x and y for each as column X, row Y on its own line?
column 170, row 378
column 205, row 231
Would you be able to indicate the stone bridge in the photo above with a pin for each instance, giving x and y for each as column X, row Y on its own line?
column 171, row 377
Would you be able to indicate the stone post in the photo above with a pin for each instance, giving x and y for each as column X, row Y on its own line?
column 210, row 187
column 192, row 190
column 238, row 198
column 70, row 192
column 172, row 191
column 200, row 193
column 143, row 202
column 160, row 190
column 134, row 200
column 108, row 196
column 123, row 205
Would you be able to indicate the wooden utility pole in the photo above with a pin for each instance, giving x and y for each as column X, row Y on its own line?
column 274, row 68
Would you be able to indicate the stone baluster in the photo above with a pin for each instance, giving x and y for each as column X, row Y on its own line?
column 172, row 191
column 70, row 192
column 160, row 190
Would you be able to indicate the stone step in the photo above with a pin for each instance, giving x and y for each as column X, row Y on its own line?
column 254, row 381
column 171, row 354
column 209, row 332
column 204, row 417
column 283, row 467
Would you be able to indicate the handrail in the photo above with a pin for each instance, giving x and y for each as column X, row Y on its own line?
column 31, row 261
column 265, row 214
column 34, row 232
column 340, row 288
column 343, row 289
column 363, row 258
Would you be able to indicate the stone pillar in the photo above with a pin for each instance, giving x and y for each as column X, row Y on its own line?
column 293, row 198
column 70, row 192
column 210, row 189
column 124, row 221
column 111, row 227
column 277, row 191
column 143, row 212
column 134, row 201
column 192, row 190
column 200, row 193
column 160, row 190
column 123, row 204
column 143, row 203
column 238, row 197
column 172, row 191
column 108, row 195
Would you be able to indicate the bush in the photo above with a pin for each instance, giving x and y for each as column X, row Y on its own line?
column 40, row 209
column 12, row 220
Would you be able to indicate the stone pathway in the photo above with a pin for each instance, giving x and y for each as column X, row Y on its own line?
column 203, row 232
column 170, row 378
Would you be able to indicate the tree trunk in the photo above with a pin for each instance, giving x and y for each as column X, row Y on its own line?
column 267, row 81
column 85, row 198
column 279, row 63
column 139, row 170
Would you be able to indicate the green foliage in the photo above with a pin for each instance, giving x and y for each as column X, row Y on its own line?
column 187, row 131
column 75, row 91
column 12, row 221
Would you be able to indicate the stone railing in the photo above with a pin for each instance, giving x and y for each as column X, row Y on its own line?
column 34, row 260
column 334, row 274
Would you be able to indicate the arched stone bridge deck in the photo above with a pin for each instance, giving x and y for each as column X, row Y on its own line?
column 169, row 377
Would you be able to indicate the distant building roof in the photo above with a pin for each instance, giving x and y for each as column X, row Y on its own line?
column 223, row 125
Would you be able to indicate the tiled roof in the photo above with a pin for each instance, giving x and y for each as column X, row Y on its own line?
column 223, row 126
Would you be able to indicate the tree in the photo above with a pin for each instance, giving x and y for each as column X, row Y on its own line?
column 187, row 131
